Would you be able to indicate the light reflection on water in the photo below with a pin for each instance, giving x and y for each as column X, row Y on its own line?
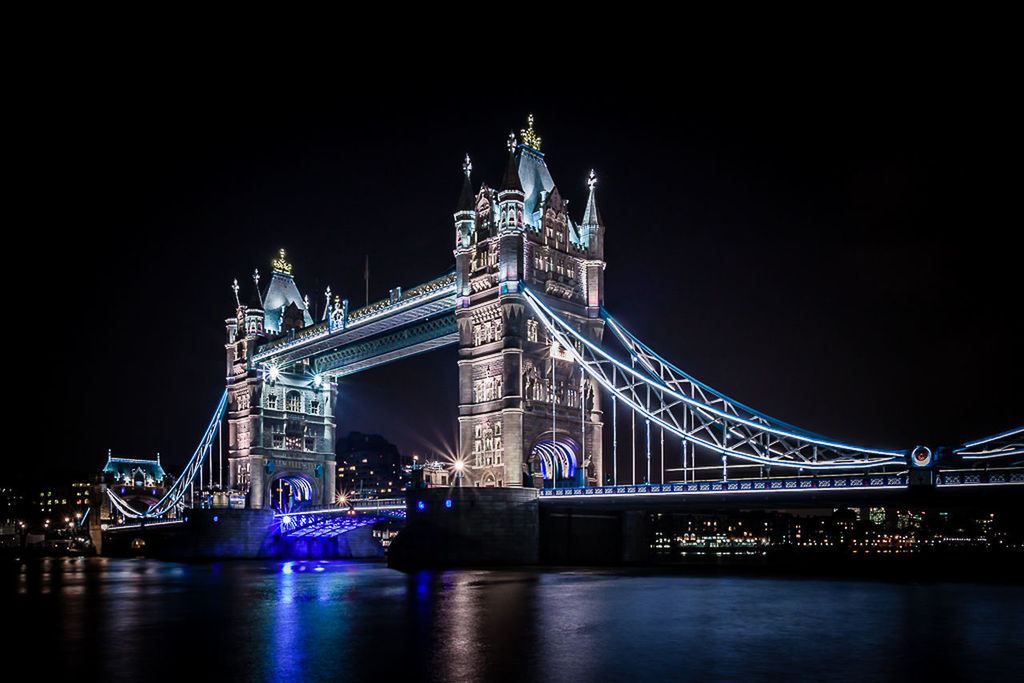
column 149, row 620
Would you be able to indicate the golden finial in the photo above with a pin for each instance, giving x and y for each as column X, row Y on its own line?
column 530, row 139
column 281, row 265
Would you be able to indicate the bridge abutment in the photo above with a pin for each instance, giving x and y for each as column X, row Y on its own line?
column 468, row 526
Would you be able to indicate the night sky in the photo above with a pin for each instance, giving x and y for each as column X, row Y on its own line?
column 834, row 249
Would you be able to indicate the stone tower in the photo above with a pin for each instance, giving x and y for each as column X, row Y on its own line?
column 280, row 436
column 527, row 416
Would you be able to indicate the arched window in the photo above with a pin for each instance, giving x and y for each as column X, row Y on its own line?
column 293, row 402
column 314, row 407
column 272, row 401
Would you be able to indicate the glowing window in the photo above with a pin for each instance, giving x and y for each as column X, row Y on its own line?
column 293, row 402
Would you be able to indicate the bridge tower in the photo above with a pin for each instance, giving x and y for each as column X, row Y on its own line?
column 527, row 415
column 280, row 445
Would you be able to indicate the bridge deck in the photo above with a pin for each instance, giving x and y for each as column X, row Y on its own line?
column 419, row 320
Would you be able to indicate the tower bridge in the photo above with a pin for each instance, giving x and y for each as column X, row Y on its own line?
column 541, row 365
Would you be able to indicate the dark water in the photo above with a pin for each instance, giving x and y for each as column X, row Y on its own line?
column 141, row 620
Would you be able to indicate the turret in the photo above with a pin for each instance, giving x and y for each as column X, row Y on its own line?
column 510, row 195
column 592, row 228
column 592, row 238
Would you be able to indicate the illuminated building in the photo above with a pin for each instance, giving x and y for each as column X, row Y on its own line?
column 280, row 437
column 436, row 474
column 138, row 482
column 510, row 376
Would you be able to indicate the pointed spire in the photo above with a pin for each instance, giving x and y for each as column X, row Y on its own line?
column 327, row 304
column 466, row 196
column 234, row 288
column 256, row 301
column 256, row 279
column 591, row 216
column 510, row 181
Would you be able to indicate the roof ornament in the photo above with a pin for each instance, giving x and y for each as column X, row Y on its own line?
column 281, row 265
column 511, row 144
column 530, row 138
column 234, row 288
column 327, row 304
column 305, row 301
column 592, row 180
column 256, row 279
column 467, row 166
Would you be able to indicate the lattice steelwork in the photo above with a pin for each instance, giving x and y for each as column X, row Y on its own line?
column 1001, row 445
column 666, row 396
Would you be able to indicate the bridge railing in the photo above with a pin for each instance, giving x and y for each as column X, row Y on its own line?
column 356, row 505
column 847, row 482
column 973, row 477
column 790, row 484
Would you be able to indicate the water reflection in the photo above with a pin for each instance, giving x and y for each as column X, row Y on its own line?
column 147, row 620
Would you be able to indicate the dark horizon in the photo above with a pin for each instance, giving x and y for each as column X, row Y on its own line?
column 839, row 260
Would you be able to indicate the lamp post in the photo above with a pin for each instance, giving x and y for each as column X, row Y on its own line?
column 459, row 467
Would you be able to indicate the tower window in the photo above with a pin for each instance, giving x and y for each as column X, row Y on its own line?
column 293, row 402
column 531, row 330
column 272, row 401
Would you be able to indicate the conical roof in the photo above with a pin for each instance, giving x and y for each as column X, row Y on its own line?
column 280, row 292
column 510, row 182
column 591, row 216
column 466, row 197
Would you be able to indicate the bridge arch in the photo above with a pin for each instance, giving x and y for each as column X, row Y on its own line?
column 554, row 461
column 288, row 491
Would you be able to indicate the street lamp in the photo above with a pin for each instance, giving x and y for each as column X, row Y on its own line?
column 459, row 466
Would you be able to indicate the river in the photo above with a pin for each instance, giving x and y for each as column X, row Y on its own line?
column 146, row 620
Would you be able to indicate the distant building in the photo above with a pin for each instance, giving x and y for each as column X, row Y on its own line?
column 436, row 474
column 12, row 505
column 369, row 466
column 139, row 483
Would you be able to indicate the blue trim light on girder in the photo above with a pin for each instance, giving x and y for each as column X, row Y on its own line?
column 286, row 520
